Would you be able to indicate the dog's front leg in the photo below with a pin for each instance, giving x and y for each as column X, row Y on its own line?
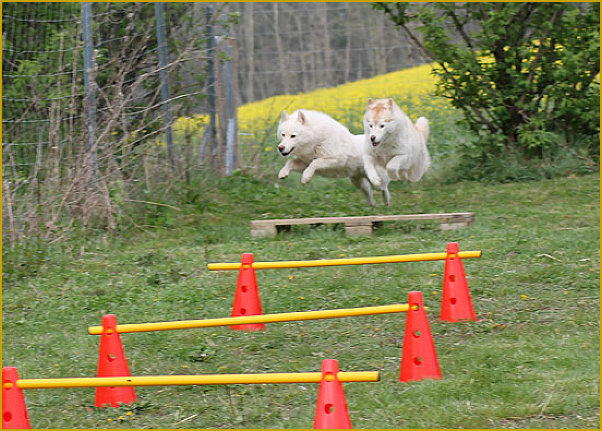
column 371, row 173
column 397, row 164
column 318, row 164
column 295, row 165
column 382, row 174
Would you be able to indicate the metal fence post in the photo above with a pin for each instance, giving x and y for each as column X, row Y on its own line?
column 164, row 76
column 231, row 125
column 89, row 91
column 211, row 89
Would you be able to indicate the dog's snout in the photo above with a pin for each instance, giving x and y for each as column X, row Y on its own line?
column 373, row 138
column 281, row 147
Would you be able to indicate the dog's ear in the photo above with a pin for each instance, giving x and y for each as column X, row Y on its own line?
column 370, row 103
column 389, row 103
column 283, row 116
column 301, row 117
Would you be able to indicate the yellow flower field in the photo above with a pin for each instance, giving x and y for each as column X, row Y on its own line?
column 346, row 103
column 412, row 89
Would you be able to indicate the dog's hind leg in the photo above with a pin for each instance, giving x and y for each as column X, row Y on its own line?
column 363, row 184
column 386, row 195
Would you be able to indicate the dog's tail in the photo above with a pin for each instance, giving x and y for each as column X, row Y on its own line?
column 422, row 125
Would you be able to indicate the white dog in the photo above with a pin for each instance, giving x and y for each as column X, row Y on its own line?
column 394, row 143
column 323, row 146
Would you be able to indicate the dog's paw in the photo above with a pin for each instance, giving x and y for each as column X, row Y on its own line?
column 373, row 176
column 283, row 173
column 306, row 177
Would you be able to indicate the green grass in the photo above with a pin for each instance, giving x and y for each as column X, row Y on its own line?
column 531, row 361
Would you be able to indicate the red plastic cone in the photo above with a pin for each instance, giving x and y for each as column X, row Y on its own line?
column 456, row 304
column 246, row 297
column 419, row 358
column 112, row 363
column 331, row 408
column 14, row 410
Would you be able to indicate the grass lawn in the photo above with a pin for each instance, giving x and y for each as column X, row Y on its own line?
column 531, row 361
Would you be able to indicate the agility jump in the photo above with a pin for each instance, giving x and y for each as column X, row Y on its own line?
column 183, row 380
column 245, row 320
column 360, row 225
column 456, row 304
column 421, row 257
column 331, row 406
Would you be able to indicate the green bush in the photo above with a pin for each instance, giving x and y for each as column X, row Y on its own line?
column 524, row 75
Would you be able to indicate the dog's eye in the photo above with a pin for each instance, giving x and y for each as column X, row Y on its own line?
column 382, row 126
column 292, row 136
column 283, row 135
column 370, row 125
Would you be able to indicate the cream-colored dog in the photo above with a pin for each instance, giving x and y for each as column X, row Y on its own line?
column 321, row 145
column 394, row 143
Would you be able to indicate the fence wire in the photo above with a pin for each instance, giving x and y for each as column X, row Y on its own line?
column 45, row 157
column 89, row 126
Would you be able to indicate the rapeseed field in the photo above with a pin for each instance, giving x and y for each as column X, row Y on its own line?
column 413, row 89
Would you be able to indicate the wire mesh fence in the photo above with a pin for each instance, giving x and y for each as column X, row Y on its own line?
column 90, row 94
column 106, row 105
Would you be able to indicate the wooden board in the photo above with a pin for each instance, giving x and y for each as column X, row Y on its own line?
column 360, row 225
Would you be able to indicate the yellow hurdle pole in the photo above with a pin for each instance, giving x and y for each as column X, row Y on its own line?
column 347, row 261
column 211, row 379
column 260, row 318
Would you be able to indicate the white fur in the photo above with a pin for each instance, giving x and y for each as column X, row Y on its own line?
column 321, row 145
column 395, row 144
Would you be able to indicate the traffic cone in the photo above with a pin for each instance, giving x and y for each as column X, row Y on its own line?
column 456, row 304
column 112, row 363
column 14, row 410
column 246, row 297
column 331, row 408
column 418, row 358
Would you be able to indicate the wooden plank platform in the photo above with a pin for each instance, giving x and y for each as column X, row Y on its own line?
column 360, row 225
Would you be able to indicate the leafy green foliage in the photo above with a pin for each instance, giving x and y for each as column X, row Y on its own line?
column 525, row 75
